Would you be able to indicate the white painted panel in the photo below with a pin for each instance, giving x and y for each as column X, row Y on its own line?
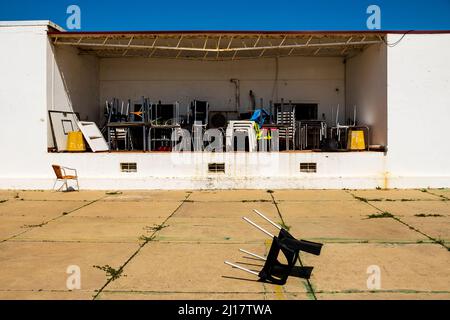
column 366, row 81
column 74, row 82
column 419, row 106
column 93, row 136
column 23, row 99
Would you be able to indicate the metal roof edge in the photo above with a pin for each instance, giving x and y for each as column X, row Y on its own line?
column 31, row 23
column 231, row 32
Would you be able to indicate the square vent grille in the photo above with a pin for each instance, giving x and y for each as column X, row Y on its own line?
column 216, row 167
column 308, row 167
column 128, row 167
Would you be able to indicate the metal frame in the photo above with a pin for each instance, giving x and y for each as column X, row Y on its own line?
column 217, row 46
column 73, row 120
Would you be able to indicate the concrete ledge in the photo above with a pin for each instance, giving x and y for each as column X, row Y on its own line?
column 201, row 183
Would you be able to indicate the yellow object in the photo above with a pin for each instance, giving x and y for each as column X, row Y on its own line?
column 356, row 140
column 264, row 134
column 75, row 142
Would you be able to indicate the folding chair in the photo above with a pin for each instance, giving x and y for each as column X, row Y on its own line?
column 273, row 271
column 61, row 175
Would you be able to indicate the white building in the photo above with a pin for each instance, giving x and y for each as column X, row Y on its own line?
column 399, row 83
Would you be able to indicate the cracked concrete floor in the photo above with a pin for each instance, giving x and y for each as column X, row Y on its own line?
column 172, row 244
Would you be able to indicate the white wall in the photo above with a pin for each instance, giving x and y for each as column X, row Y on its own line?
column 366, row 84
column 419, row 110
column 418, row 116
column 72, row 84
column 300, row 79
column 75, row 82
column 23, row 101
column 352, row 170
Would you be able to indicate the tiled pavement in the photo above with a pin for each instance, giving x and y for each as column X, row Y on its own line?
column 172, row 244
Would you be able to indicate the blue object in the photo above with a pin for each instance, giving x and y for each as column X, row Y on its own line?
column 259, row 116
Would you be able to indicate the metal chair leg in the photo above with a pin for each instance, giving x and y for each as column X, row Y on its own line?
column 59, row 189
column 54, row 185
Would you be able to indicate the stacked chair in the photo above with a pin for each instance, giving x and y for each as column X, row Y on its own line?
column 241, row 129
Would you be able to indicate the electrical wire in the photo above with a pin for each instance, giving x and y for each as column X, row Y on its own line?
column 391, row 45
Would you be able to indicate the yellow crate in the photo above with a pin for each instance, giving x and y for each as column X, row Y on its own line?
column 75, row 142
column 356, row 140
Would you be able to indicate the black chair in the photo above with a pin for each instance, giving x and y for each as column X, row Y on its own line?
column 273, row 270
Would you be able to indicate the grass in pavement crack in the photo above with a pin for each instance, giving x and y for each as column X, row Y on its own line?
column 389, row 215
column 276, row 206
column 443, row 198
column 146, row 240
column 111, row 273
column 113, row 193
column 360, row 198
column 284, row 226
column 380, row 215
column 152, row 231
column 156, row 227
column 35, row 225
column 424, row 215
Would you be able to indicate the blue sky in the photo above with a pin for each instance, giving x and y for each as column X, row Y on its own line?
column 234, row 15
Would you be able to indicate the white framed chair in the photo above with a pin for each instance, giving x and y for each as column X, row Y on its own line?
column 62, row 176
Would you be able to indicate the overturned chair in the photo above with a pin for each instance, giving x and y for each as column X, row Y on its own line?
column 274, row 271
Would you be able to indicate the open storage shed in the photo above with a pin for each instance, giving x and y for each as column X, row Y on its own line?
column 394, row 83
column 323, row 69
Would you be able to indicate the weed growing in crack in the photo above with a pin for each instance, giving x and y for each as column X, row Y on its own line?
column 284, row 226
column 381, row 215
column 361, row 199
column 112, row 273
column 424, row 215
column 440, row 241
column 145, row 238
column 34, row 225
column 113, row 193
column 155, row 228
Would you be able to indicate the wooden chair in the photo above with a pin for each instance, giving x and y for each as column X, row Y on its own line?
column 61, row 175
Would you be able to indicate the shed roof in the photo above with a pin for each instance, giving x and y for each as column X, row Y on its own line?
column 222, row 45
column 217, row 45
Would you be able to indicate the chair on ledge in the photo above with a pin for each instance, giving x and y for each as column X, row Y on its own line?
column 61, row 175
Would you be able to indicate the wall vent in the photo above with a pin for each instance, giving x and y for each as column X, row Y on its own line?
column 216, row 167
column 308, row 167
column 128, row 167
